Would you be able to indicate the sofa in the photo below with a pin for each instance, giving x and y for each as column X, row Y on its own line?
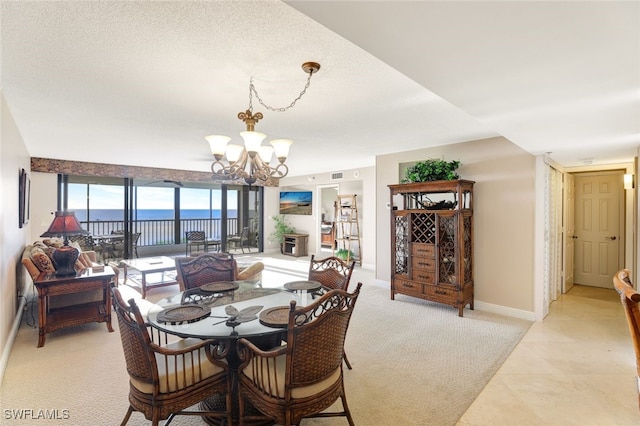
column 36, row 258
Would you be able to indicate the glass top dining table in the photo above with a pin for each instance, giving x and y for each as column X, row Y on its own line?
column 215, row 325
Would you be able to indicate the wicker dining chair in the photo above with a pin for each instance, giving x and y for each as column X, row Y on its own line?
column 304, row 377
column 192, row 272
column 332, row 273
column 166, row 378
column 630, row 299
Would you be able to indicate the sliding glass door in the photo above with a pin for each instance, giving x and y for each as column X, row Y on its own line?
column 162, row 211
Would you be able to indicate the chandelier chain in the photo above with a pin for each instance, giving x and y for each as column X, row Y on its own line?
column 252, row 91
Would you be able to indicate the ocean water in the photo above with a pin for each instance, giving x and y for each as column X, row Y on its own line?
column 149, row 214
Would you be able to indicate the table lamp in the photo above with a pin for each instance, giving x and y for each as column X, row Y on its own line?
column 65, row 224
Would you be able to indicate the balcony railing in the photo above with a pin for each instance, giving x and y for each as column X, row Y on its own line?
column 158, row 232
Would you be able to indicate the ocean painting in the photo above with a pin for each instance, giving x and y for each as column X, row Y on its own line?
column 295, row 202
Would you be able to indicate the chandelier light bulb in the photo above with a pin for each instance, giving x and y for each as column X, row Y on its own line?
column 252, row 141
column 281, row 148
column 218, row 144
column 265, row 152
column 234, row 152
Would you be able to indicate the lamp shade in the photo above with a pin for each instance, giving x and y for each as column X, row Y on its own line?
column 64, row 224
column 218, row 144
column 281, row 147
column 252, row 140
column 234, row 152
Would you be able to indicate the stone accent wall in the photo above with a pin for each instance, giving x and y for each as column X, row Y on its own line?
column 79, row 168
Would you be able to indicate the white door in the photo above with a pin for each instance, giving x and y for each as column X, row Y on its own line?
column 598, row 219
column 570, row 231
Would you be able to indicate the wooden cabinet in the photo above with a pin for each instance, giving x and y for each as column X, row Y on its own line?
column 432, row 241
column 295, row 244
column 327, row 235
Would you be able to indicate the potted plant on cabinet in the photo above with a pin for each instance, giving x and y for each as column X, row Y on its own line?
column 431, row 170
column 281, row 227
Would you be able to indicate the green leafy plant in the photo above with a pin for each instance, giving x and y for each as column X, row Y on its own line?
column 281, row 227
column 430, row 170
column 344, row 254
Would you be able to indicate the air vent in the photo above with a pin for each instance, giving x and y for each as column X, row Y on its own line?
column 336, row 176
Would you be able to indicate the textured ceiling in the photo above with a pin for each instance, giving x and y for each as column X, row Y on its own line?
column 142, row 83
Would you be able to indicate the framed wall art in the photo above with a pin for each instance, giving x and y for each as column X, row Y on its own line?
column 24, row 196
column 296, row 202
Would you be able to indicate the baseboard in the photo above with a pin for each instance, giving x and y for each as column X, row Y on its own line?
column 504, row 310
column 483, row 306
column 12, row 337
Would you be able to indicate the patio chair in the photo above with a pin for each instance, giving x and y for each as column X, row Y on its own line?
column 166, row 379
column 304, row 377
column 194, row 239
column 631, row 303
column 240, row 239
column 85, row 241
column 206, row 268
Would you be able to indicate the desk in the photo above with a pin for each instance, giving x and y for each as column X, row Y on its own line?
column 212, row 327
column 51, row 319
column 150, row 265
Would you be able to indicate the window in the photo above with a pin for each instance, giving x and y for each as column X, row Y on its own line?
column 162, row 211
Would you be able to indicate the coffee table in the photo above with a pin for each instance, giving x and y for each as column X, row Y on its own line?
column 150, row 265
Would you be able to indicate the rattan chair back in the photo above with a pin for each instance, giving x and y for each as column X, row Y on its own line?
column 141, row 363
column 630, row 299
column 168, row 375
column 332, row 273
column 206, row 268
column 316, row 335
column 312, row 367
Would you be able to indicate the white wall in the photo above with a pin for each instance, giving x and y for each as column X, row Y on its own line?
column 13, row 157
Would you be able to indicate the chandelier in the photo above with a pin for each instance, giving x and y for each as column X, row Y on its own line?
column 251, row 162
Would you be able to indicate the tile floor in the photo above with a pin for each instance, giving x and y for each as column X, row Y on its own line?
column 577, row 367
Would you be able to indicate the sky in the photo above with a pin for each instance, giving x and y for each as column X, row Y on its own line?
column 112, row 197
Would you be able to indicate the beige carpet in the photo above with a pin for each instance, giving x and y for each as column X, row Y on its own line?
column 414, row 363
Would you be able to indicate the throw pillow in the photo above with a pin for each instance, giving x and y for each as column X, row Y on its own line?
column 85, row 260
column 42, row 261
column 53, row 242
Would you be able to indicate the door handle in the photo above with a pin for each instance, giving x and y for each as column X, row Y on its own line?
column 612, row 238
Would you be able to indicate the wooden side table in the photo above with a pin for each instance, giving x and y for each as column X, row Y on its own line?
column 51, row 319
column 295, row 244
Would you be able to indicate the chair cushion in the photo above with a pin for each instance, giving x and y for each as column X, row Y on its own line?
column 278, row 378
column 185, row 376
